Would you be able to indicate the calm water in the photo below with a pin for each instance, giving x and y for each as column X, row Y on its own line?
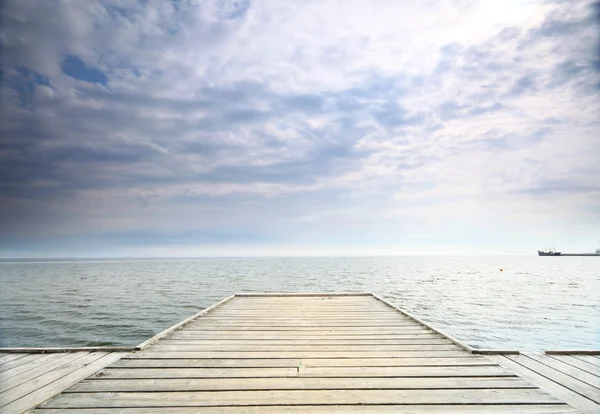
column 534, row 303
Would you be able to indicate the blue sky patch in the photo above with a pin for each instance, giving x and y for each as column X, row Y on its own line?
column 74, row 67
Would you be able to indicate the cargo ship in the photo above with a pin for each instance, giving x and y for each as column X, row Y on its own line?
column 548, row 252
column 552, row 252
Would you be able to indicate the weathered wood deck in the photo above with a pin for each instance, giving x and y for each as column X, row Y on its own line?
column 303, row 353
column 28, row 379
column 299, row 353
column 570, row 376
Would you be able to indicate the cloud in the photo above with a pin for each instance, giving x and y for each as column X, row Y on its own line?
column 266, row 121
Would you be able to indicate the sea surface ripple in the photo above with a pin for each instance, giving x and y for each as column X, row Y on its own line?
column 533, row 303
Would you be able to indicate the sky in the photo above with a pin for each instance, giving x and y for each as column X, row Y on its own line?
column 317, row 127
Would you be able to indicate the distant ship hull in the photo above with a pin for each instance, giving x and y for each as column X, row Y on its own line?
column 555, row 253
column 580, row 254
column 549, row 253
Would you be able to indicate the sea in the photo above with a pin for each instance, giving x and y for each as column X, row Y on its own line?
column 527, row 303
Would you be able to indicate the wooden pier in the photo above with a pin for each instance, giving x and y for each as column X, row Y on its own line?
column 301, row 353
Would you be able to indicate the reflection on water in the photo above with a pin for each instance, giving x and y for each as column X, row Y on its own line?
column 533, row 303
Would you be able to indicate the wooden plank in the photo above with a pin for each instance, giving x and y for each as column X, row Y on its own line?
column 563, row 393
column 47, row 350
column 312, row 331
column 578, row 363
column 49, row 389
column 307, row 298
column 8, row 375
column 314, row 342
column 298, row 354
column 396, row 362
column 7, row 357
column 307, row 308
column 306, row 325
column 326, row 409
column 444, row 334
column 299, row 319
column 298, row 335
column 363, row 301
column 298, row 397
column 277, row 338
column 18, row 361
column 590, row 359
column 560, row 363
column 555, row 375
column 574, row 352
column 206, row 363
column 226, row 313
column 182, row 323
column 407, row 371
column 293, row 363
column 231, row 384
column 216, row 347
column 290, row 295
column 200, row 325
column 113, row 373
column 42, row 380
column 429, row 371
column 62, row 359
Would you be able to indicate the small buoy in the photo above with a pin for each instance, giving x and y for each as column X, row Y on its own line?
column 500, row 269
